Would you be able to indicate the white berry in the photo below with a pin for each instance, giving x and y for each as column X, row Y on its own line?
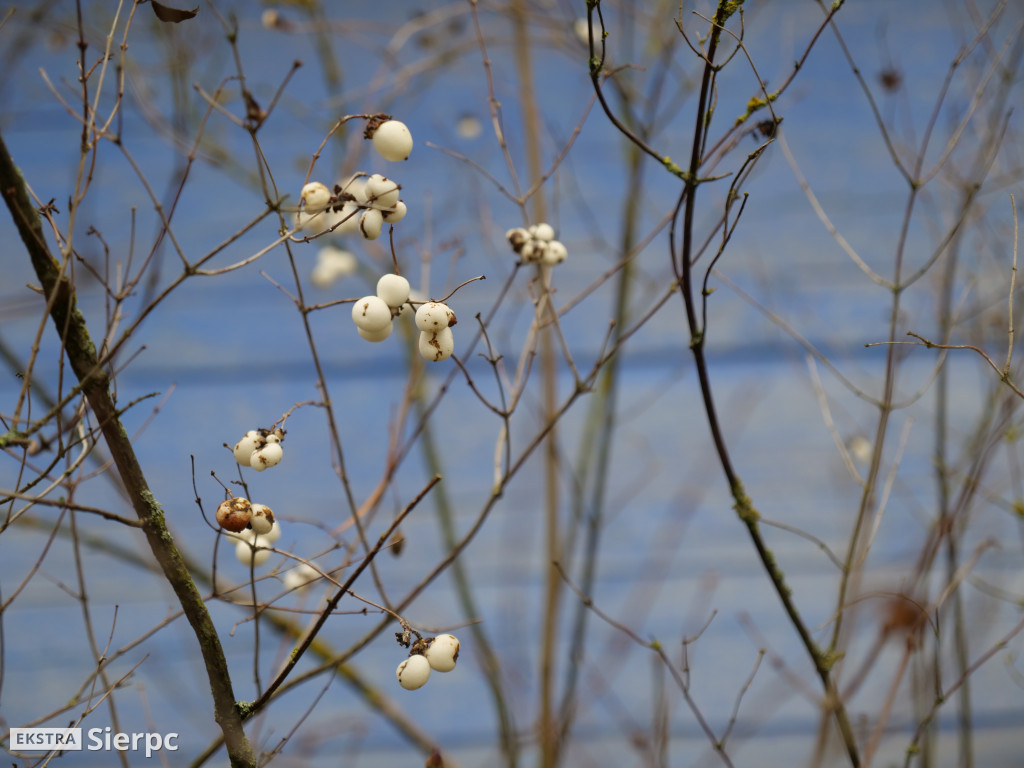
column 316, row 196
column 267, row 456
column 245, row 447
column 533, row 251
column 381, row 191
column 376, row 336
column 393, row 289
column 436, row 345
column 393, row 140
column 442, row 653
column 517, row 238
column 356, row 186
column 542, row 231
column 300, row 577
column 581, row 28
column 262, row 519
column 413, row 673
column 345, row 221
column 270, row 537
column 433, row 316
column 332, row 263
column 555, row 253
column 371, row 313
column 395, row 213
column 371, row 223
column 270, row 18
column 249, row 554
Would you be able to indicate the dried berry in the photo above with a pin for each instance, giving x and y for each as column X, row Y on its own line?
column 234, row 514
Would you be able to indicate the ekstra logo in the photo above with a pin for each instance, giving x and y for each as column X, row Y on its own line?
column 46, row 739
column 70, row 739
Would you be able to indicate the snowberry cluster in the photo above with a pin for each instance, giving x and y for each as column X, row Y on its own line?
column 433, row 653
column 365, row 203
column 374, row 315
column 374, row 318
column 260, row 448
column 537, row 244
column 253, row 526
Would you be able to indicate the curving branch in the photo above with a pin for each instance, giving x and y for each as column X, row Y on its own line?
column 96, row 387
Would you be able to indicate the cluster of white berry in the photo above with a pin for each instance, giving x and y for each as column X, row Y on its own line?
column 537, row 244
column 440, row 655
column 260, row 448
column 252, row 525
column 374, row 318
column 364, row 203
column 374, row 315
column 434, row 321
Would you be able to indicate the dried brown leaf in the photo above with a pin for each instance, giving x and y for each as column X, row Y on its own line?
column 172, row 15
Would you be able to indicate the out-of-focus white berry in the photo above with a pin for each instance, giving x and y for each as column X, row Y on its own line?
column 437, row 345
column 300, row 577
column 859, row 448
column 332, row 263
column 245, row 447
column 316, row 196
column 393, row 140
column 542, row 231
column 555, row 253
column 533, row 251
column 371, row 313
column 270, row 536
column 340, row 259
column 581, row 27
column 267, row 456
column 270, row 18
column 273, row 20
column 345, row 220
column 248, row 554
column 322, row 275
column 413, row 673
column 371, row 223
column 468, row 127
column 381, row 191
column 305, row 222
column 442, row 653
column 262, row 519
column 393, row 289
column 433, row 316
column 355, row 186
column 395, row 213
column 260, row 540
column 245, row 534
column 517, row 237
column 376, row 335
